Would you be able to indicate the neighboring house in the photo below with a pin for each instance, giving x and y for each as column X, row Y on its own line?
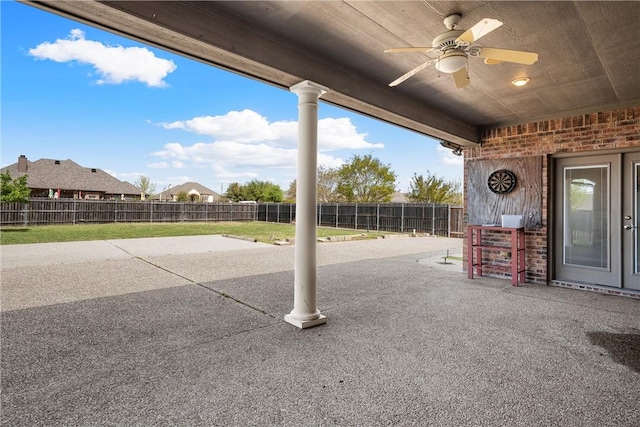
column 197, row 193
column 67, row 179
column 399, row 197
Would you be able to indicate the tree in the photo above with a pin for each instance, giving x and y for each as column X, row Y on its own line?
column 273, row 193
column 580, row 193
column 255, row 190
column 235, row 192
column 14, row 190
column 259, row 191
column 366, row 180
column 145, row 185
column 433, row 189
column 326, row 189
column 328, row 180
column 263, row 191
column 291, row 192
column 182, row 196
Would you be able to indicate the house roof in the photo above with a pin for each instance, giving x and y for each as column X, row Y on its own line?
column 190, row 188
column 68, row 175
column 399, row 197
column 589, row 53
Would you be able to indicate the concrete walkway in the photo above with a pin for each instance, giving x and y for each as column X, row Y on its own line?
column 190, row 331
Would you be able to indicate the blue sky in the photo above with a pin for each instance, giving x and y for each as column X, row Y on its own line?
column 70, row 91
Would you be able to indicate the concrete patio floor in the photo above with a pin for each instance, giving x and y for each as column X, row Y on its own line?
column 190, row 331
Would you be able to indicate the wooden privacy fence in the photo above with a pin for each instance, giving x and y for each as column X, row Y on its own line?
column 74, row 211
column 441, row 220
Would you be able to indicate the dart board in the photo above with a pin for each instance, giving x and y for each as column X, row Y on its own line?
column 502, row 181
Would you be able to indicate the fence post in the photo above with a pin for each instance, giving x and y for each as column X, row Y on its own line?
column 73, row 217
column 319, row 214
column 25, row 214
column 433, row 219
column 378, row 217
column 231, row 211
column 448, row 220
column 278, row 213
column 151, row 216
column 206, row 212
column 402, row 219
column 356, row 219
column 115, row 210
column 337, row 209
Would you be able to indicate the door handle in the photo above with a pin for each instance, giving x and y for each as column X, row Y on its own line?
column 629, row 227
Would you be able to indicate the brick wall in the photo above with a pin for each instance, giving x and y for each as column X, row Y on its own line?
column 607, row 130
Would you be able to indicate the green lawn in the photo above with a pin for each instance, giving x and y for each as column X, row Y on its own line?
column 261, row 231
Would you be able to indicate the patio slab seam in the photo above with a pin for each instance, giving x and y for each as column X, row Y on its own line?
column 222, row 294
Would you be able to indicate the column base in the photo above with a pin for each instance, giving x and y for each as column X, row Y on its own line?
column 303, row 324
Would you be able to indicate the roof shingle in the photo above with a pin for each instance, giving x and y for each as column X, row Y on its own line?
column 70, row 176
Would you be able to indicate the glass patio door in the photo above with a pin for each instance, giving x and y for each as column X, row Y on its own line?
column 596, row 219
column 630, row 221
column 587, row 225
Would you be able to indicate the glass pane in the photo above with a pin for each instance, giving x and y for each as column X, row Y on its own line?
column 586, row 216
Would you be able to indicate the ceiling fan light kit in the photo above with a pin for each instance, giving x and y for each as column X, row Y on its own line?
column 451, row 62
column 454, row 48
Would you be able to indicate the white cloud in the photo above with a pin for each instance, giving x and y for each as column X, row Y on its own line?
column 176, row 164
column 242, row 126
column 249, row 127
column 114, row 64
column 130, row 176
column 229, row 152
column 448, row 158
column 221, row 172
column 329, row 161
column 245, row 143
column 340, row 134
column 230, row 159
column 158, row 165
column 164, row 183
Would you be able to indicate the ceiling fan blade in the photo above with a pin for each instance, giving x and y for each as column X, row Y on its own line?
column 461, row 78
column 409, row 49
column 490, row 61
column 482, row 28
column 410, row 73
column 516, row 56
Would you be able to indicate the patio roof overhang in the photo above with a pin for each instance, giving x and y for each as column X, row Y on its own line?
column 589, row 54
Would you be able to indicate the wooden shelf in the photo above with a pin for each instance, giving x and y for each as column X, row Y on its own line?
column 517, row 248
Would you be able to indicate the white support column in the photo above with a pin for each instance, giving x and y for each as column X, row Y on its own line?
column 305, row 313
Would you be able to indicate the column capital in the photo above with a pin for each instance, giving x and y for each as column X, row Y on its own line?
column 307, row 86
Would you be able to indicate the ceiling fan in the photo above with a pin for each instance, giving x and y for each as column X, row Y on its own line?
column 454, row 48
